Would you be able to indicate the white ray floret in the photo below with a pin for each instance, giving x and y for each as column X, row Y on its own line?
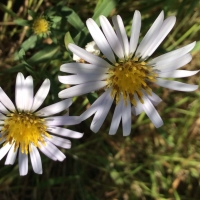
column 25, row 131
column 124, row 71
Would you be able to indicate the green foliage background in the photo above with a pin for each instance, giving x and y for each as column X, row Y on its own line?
column 161, row 164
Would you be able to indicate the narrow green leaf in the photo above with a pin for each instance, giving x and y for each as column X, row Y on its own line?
column 68, row 39
column 29, row 43
column 104, row 9
column 45, row 54
column 6, row 10
column 72, row 18
column 55, row 19
column 32, row 14
column 22, row 22
column 92, row 97
column 197, row 47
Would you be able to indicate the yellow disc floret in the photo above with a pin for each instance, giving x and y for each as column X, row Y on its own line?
column 130, row 77
column 23, row 129
column 40, row 26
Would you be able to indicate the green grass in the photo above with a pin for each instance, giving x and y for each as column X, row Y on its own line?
column 160, row 164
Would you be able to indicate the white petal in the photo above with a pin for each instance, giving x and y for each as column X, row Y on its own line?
column 55, row 151
column 45, row 151
column 23, row 163
column 173, row 54
column 93, row 108
column 41, row 95
column 150, row 35
column 111, row 36
column 5, row 100
column 174, row 85
column 126, row 118
column 121, row 33
column 35, row 160
column 54, row 108
column 116, row 117
column 62, row 120
column 11, row 157
column 170, row 65
column 102, row 112
column 19, row 90
column 154, row 98
column 89, row 57
column 177, row 74
column 82, row 89
column 28, row 93
column 100, row 40
column 4, row 150
column 79, row 79
column 64, row 132
column 135, row 31
column 151, row 112
column 136, row 110
column 160, row 36
column 82, row 68
column 3, row 109
column 58, row 141
column 2, row 117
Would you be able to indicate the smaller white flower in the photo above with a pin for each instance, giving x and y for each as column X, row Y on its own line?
column 24, row 130
column 76, row 58
column 90, row 47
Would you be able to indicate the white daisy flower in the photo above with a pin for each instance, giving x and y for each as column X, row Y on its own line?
column 126, row 73
column 24, row 130
column 90, row 47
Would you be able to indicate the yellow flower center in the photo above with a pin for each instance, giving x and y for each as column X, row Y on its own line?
column 40, row 25
column 130, row 77
column 23, row 129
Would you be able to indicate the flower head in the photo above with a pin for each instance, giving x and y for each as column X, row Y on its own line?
column 41, row 26
column 126, row 74
column 24, row 130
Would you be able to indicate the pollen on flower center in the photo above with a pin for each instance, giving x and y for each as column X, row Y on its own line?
column 40, row 25
column 23, row 129
column 130, row 77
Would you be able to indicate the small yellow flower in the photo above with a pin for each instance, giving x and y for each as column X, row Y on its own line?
column 40, row 26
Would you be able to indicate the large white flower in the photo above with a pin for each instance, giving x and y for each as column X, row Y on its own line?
column 25, row 130
column 126, row 72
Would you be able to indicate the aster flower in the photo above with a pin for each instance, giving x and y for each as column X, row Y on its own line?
column 24, row 130
column 126, row 74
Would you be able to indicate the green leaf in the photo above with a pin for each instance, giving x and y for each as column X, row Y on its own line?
column 21, row 54
column 68, row 39
column 32, row 14
column 46, row 54
column 55, row 19
column 72, row 18
column 196, row 48
column 22, row 22
column 104, row 8
column 92, row 97
column 29, row 43
column 7, row 10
